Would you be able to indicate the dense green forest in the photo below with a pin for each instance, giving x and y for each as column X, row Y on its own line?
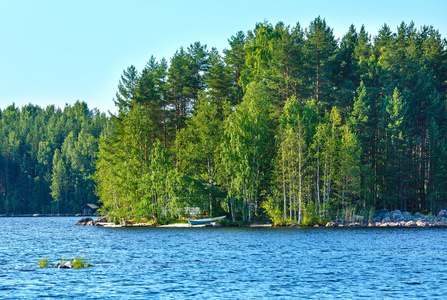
column 47, row 158
column 288, row 123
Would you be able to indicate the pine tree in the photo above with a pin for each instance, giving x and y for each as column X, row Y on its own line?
column 320, row 50
column 235, row 61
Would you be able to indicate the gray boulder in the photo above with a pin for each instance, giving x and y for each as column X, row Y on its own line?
column 63, row 266
column 407, row 216
column 69, row 264
column 101, row 220
column 421, row 223
column 411, row 224
column 396, row 216
column 419, row 216
column 333, row 224
column 379, row 215
column 85, row 221
column 442, row 214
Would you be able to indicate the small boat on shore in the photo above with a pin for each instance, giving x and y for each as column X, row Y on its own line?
column 204, row 221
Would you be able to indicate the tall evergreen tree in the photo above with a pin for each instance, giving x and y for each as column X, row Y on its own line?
column 320, row 50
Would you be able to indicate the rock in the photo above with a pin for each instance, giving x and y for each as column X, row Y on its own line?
column 407, row 216
column 332, row 224
column 84, row 221
column 419, row 216
column 336, row 223
column 442, row 214
column 69, row 264
column 90, row 223
column 384, row 224
column 379, row 215
column 410, row 224
column 421, row 223
column 63, row 267
column 316, row 225
column 101, row 220
column 395, row 216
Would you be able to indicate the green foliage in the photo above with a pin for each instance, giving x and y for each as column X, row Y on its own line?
column 320, row 126
column 310, row 215
column 47, row 158
column 80, row 263
column 341, row 116
column 43, row 262
column 248, row 148
column 272, row 208
column 355, row 213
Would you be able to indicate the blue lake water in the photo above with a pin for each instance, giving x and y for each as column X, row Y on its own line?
column 221, row 263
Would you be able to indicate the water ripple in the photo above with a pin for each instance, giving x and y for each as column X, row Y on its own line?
column 224, row 263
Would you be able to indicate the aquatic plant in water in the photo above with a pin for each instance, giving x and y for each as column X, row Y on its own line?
column 80, row 263
column 43, row 262
column 77, row 263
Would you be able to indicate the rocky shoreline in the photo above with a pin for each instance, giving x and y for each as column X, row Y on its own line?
column 396, row 218
column 100, row 221
column 381, row 218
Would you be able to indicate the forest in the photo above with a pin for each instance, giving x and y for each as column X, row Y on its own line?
column 47, row 158
column 288, row 124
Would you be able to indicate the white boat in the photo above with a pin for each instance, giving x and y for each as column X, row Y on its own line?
column 204, row 221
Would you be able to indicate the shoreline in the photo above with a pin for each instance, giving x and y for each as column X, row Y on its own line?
column 381, row 219
column 410, row 224
column 38, row 215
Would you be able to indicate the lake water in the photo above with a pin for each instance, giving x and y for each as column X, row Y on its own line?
column 221, row 263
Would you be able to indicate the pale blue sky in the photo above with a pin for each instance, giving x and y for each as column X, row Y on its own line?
column 60, row 51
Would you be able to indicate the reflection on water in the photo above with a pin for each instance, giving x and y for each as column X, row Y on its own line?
column 221, row 262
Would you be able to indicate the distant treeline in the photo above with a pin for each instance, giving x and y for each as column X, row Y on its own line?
column 288, row 123
column 47, row 158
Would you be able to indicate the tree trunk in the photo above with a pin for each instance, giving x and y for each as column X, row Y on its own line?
column 284, row 182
